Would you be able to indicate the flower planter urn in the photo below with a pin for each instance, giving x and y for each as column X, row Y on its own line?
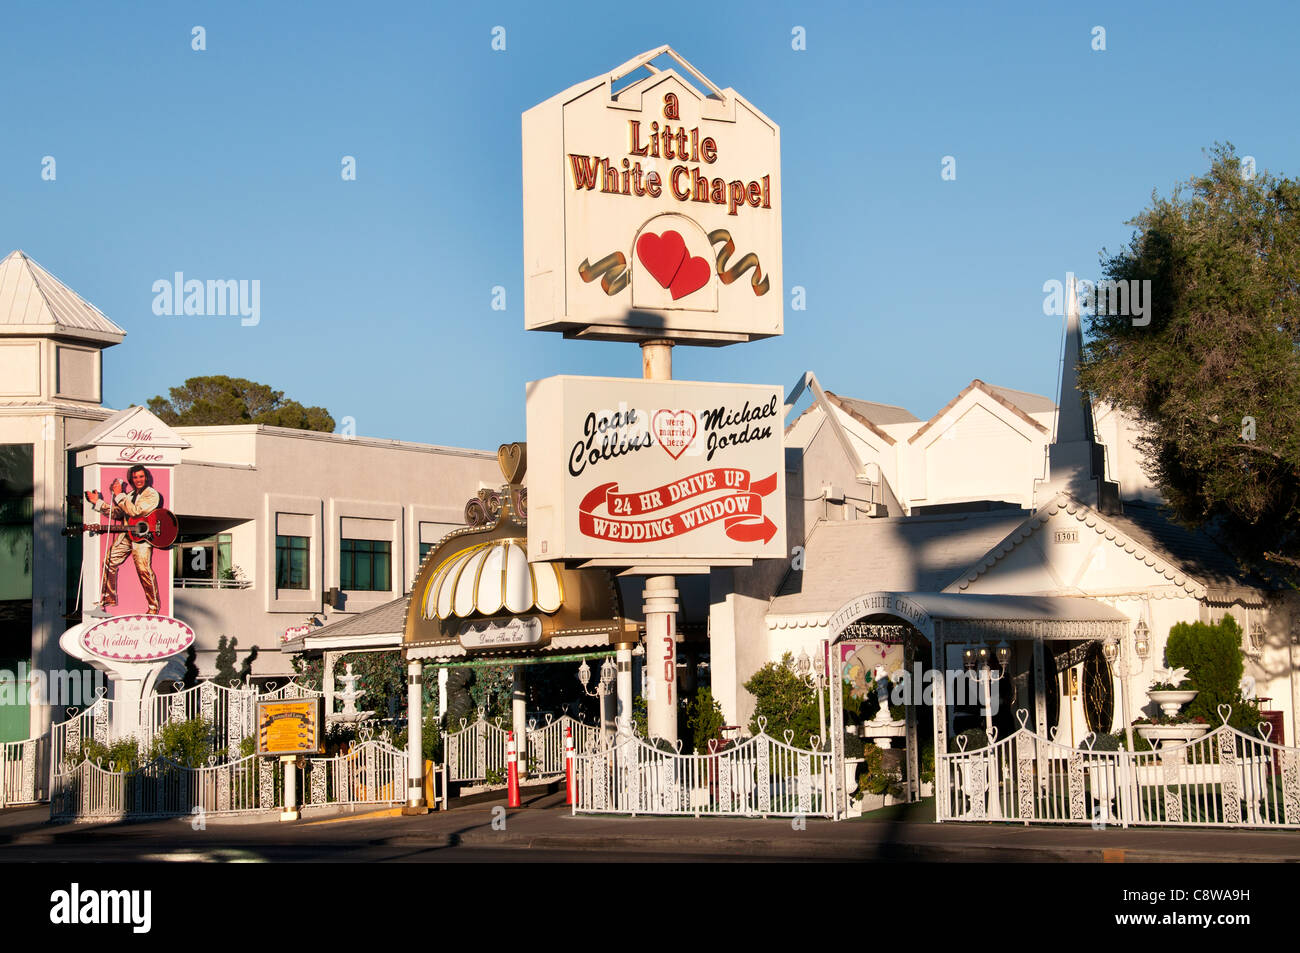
column 1183, row 733
column 1172, row 701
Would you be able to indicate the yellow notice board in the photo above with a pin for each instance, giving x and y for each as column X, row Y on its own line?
column 291, row 727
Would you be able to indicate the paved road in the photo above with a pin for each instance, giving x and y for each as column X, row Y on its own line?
column 544, row 830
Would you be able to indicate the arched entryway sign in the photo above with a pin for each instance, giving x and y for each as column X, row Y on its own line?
column 868, row 612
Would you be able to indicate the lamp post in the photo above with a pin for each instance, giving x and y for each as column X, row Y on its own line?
column 816, row 668
column 608, row 672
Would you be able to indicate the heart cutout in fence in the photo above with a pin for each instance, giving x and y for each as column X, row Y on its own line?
column 789, row 736
column 1265, row 730
column 962, row 741
column 1225, row 712
column 674, row 431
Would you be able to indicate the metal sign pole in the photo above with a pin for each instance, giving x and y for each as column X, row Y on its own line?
column 660, row 598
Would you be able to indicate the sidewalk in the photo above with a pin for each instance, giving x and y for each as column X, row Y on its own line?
column 904, row 833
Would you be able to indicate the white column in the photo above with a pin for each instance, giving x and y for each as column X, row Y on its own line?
column 290, row 812
column 660, row 597
column 415, row 801
column 661, row 656
column 623, row 711
column 328, row 660
column 442, row 692
column 519, row 717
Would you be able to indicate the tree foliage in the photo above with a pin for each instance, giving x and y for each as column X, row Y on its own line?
column 1212, row 656
column 704, row 719
column 786, row 699
column 217, row 400
column 1214, row 379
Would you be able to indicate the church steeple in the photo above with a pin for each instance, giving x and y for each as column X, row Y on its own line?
column 1076, row 461
column 1074, row 409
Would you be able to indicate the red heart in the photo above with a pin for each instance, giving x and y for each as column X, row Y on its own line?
column 674, row 430
column 661, row 254
column 691, row 276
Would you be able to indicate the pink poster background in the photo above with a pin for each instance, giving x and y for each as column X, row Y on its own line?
column 130, row 597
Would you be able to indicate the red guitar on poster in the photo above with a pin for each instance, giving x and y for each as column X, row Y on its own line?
column 158, row 528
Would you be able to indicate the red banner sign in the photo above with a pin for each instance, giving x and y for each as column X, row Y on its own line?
column 740, row 507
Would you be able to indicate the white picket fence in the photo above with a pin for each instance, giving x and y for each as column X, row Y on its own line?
column 1225, row 778
column 20, row 771
column 760, row 777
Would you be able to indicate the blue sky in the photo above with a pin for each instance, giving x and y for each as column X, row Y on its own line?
column 376, row 293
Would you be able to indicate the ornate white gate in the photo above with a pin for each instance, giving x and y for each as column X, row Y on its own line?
column 477, row 752
column 759, row 777
column 546, row 744
column 1226, row 778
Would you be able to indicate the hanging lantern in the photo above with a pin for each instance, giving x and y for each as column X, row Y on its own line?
column 1142, row 639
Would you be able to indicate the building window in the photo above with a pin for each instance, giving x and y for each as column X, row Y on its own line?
column 203, row 562
column 291, row 562
column 364, row 565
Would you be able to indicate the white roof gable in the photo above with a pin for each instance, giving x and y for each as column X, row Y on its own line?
column 133, row 427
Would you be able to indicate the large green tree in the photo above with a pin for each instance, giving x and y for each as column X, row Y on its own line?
column 218, row 399
column 1214, row 378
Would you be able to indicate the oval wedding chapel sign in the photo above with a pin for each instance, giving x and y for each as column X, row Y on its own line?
column 137, row 638
column 650, row 469
column 653, row 210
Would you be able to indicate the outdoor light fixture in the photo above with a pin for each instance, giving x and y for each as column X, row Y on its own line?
column 1111, row 649
column 968, row 658
column 1257, row 635
column 803, row 665
column 1142, row 639
column 608, row 672
column 819, row 666
column 1004, row 654
column 984, row 656
column 584, row 674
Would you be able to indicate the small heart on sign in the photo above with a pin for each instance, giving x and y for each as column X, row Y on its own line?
column 662, row 255
column 674, row 431
column 691, row 277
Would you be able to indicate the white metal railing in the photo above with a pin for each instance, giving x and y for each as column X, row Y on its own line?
column 96, row 723
column 759, row 777
column 163, row 788
column 231, row 711
column 1225, row 778
column 373, row 772
column 475, row 752
column 21, row 764
column 182, row 583
column 545, row 751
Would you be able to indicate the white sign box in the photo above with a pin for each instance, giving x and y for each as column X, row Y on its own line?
column 654, row 469
column 652, row 212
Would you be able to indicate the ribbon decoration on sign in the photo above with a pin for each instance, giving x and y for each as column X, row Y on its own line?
column 613, row 272
column 740, row 508
column 728, row 275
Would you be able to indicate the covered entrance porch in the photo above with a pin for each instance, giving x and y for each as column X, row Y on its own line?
column 955, row 662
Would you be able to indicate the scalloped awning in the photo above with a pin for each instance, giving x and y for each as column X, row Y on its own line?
column 490, row 578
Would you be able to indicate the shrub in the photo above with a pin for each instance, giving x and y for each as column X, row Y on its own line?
column 1212, row 656
column 121, row 755
column 785, row 699
column 704, row 720
column 188, row 743
column 876, row 779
